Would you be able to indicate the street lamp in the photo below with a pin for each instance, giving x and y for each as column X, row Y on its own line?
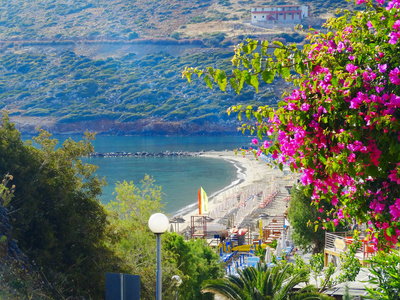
column 158, row 224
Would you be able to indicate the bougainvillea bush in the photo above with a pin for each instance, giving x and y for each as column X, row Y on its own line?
column 340, row 126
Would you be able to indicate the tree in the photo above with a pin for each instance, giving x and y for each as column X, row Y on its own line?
column 131, row 238
column 263, row 283
column 340, row 126
column 57, row 218
column 135, row 244
column 196, row 262
column 300, row 213
column 385, row 276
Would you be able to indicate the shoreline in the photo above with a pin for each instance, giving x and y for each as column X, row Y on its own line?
column 258, row 177
column 241, row 172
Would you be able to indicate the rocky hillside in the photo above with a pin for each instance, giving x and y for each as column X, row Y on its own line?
column 115, row 67
column 130, row 19
column 65, row 92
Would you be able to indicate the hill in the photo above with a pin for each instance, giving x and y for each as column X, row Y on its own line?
column 129, row 19
column 69, row 66
column 123, row 95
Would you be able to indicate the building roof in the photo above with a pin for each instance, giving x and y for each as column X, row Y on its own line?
column 295, row 5
column 275, row 12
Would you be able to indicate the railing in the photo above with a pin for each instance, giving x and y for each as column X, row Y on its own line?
column 339, row 241
column 331, row 238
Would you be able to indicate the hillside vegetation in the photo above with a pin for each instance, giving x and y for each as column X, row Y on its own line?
column 73, row 88
column 129, row 19
column 50, row 78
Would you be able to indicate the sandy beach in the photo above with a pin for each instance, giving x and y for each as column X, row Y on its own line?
column 259, row 178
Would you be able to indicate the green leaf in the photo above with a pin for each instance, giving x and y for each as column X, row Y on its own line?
column 208, row 81
column 268, row 76
column 254, row 82
column 321, row 158
column 299, row 67
column 278, row 43
column 222, row 80
column 245, row 62
column 247, row 77
column 256, row 63
column 248, row 114
column 233, row 83
column 389, row 234
column 188, row 76
column 335, row 81
column 285, row 72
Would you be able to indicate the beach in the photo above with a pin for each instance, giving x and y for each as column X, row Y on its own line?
column 257, row 179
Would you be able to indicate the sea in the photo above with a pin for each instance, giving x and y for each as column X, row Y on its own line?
column 179, row 177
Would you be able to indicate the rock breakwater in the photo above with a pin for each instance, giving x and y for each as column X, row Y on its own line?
column 146, row 154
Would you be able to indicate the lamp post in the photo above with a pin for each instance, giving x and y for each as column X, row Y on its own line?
column 158, row 224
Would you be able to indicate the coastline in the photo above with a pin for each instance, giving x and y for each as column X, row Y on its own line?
column 254, row 175
column 241, row 177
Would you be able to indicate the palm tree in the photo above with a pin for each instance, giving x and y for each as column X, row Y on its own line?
column 263, row 283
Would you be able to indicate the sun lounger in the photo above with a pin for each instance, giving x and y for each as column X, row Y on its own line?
column 252, row 261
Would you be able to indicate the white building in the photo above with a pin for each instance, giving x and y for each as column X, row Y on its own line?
column 279, row 13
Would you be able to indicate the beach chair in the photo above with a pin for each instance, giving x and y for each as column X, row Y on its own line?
column 252, row 261
column 288, row 250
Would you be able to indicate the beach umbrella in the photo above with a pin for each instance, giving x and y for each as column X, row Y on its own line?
column 242, row 231
column 283, row 241
column 268, row 258
column 288, row 237
column 278, row 250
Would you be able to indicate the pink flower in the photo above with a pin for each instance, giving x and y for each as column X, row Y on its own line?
column 351, row 68
column 305, row 107
column 369, row 24
column 351, row 158
column 340, row 47
column 335, row 200
column 336, row 222
column 291, row 106
column 395, row 209
column 394, row 76
column 396, row 25
column 254, row 141
column 307, row 177
column 394, row 36
column 382, row 68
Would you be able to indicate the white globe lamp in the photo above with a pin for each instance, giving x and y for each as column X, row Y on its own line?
column 158, row 224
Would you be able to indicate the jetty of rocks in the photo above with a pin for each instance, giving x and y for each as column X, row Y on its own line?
column 145, row 154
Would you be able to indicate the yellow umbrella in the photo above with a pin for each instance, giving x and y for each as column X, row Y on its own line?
column 261, row 231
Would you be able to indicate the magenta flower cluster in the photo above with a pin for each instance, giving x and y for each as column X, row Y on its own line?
column 340, row 128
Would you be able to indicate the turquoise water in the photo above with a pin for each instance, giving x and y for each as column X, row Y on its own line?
column 179, row 177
